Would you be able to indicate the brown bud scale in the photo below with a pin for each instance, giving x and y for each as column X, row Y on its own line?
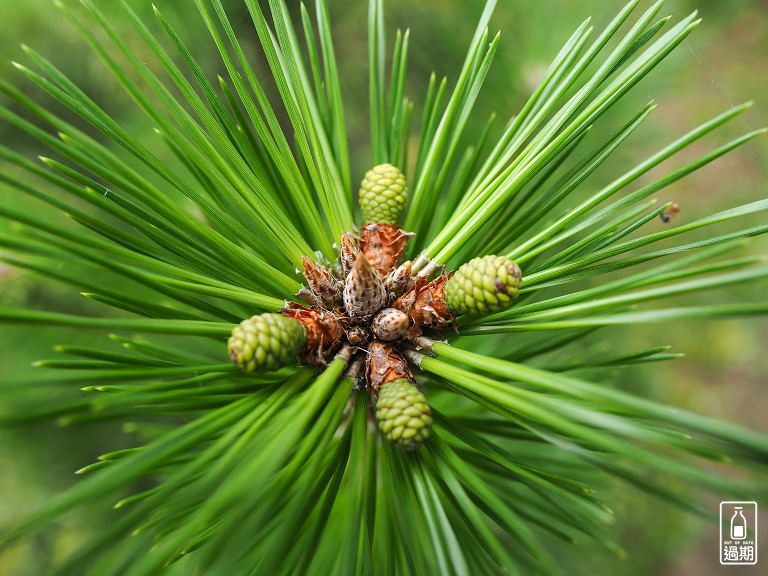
column 384, row 364
column 358, row 335
column 383, row 245
column 324, row 332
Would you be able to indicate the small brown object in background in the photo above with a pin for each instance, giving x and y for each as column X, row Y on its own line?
column 667, row 215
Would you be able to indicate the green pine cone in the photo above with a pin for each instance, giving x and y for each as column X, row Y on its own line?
column 383, row 194
column 266, row 342
column 403, row 414
column 483, row 285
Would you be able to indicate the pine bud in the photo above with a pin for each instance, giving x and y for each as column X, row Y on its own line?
column 266, row 342
column 483, row 285
column 399, row 281
column 325, row 288
column 403, row 414
column 383, row 194
column 390, row 324
column 348, row 252
column 364, row 293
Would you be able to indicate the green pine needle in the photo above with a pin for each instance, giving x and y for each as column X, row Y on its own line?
column 194, row 217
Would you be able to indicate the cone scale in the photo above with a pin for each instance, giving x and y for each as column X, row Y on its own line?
column 403, row 414
column 483, row 285
column 266, row 342
column 383, row 194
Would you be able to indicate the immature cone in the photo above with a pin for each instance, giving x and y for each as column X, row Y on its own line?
column 266, row 342
column 483, row 285
column 383, row 194
column 403, row 414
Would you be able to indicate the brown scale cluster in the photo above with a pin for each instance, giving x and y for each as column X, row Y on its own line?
column 371, row 303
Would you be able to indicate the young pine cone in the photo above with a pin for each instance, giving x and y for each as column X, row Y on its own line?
column 266, row 342
column 483, row 285
column 383, row 194
column 403, row 414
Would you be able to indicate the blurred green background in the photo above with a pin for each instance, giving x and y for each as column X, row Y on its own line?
column 724, row 63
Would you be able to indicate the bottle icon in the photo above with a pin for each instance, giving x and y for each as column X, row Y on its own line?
column 738, row 525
